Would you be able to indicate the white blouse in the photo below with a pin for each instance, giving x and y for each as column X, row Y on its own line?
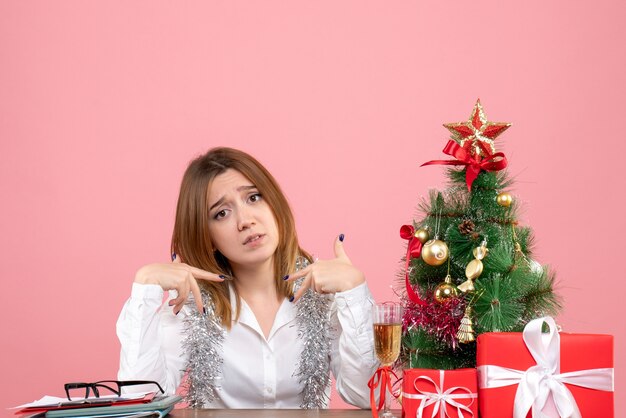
column 257, row 372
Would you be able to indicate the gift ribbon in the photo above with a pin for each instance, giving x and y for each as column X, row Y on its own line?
column 413, row 250
column 441, row 399
column 492, row 162
column 536, row 384
column 382, row 378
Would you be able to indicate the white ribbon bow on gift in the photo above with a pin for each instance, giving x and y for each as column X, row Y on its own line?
column 441, row 398
column 536, row 384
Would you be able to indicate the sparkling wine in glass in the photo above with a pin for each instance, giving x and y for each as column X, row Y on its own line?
column 387, row 335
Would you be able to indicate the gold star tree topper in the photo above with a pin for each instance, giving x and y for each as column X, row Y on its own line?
column 477, row 129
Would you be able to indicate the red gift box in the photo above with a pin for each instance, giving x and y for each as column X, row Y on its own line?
column 446, row 392
column 539, row 366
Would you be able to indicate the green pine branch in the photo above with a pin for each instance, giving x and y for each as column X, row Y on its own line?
column 424, row 351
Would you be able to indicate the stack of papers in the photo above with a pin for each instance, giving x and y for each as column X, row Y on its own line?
column 143, row 404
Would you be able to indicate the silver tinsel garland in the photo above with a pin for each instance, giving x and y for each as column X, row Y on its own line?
column 203, row 343
column 204, row 337
column 314, row 330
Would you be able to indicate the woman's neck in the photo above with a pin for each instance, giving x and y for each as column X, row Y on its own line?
column 256, row 281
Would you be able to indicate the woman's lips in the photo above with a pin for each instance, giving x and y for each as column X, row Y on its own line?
column 254, row 239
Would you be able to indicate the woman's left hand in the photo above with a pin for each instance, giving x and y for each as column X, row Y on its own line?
column 329, row 276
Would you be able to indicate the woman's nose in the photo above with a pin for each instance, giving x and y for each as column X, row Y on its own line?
column 245, row 219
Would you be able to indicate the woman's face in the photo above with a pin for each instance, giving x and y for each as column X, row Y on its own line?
column 241, row 223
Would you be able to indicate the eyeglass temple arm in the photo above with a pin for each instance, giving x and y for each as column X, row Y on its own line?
column 139, row 382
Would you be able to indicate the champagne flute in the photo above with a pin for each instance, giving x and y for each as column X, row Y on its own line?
column 387, row 333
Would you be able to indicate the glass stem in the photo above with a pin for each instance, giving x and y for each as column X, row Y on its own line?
column 386, row 403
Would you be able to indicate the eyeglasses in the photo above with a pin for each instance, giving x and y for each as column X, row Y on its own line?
column 114, row 386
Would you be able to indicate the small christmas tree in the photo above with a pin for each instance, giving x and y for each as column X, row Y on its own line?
column 469, row 266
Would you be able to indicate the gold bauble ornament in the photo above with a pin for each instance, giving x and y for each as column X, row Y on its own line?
column 435, row 252
column 422, row 235
column 504, row 199
column 446, row 291
column 474, row 269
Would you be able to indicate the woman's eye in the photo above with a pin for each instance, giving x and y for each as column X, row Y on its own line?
column 220, row 214
column 255, row 197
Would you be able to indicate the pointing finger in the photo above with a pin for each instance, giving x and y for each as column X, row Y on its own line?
column 300, row 273
column 198, row 273
column 205, row 275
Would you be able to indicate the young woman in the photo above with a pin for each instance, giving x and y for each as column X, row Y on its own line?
column 249, row 320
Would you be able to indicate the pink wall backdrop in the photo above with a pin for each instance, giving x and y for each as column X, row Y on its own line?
column 102, row 104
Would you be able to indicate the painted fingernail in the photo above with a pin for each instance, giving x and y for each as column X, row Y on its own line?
column 341, row 237
column 291, row 299
column 173, row 256
column 204, row 310
column 221, row 276
column 176, row 313
column 286, row 277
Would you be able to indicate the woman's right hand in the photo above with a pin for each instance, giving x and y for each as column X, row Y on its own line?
column 177, row 276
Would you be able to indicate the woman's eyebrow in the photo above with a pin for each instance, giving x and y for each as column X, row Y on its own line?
column 239, row 189
column 250, row 187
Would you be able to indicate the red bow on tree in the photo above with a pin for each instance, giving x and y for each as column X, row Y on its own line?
column 473, row 164
column 413, row 249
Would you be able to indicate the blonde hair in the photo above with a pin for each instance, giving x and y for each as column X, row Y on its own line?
column 192, row 242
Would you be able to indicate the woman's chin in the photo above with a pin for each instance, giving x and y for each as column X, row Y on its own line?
column 256, row 258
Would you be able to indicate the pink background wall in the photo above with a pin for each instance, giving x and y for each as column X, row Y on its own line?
column 102, row 104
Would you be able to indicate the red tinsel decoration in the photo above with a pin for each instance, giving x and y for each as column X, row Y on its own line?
column 442, row 320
